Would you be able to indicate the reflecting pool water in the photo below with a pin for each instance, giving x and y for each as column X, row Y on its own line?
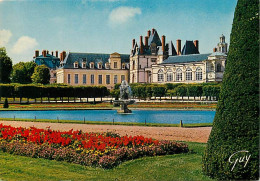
column 140, row 116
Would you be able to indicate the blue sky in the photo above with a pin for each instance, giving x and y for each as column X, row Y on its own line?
column 107, row 26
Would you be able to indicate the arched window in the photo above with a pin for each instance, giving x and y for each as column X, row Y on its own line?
column 169, row 75
column 218, row 67
column 188, row 74
column 179, row 75
column 198, row 73
column 160, row 76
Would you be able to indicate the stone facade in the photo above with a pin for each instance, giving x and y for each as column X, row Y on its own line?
column 93, row 69
column 157, row 62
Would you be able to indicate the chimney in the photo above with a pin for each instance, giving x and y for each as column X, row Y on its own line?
column 214, row 49
column 63, row 55
column 153, row 30
column 52, row 53
column 141, row 45
column 57, row 54
column 146, row 41
column 148, row 33
column 178, row 44
column 44, row 53
column 163, row 44
column 196, row 43
column 133, row 43
column 47, row 51
column 36, row 53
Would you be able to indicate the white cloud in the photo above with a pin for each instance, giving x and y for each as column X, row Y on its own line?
column 123, row 14
column 5, row 36
column 24, row 44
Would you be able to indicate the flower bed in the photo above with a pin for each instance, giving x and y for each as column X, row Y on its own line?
column 105, row 150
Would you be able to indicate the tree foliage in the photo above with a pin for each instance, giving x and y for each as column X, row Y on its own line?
column 236, row 124
column 5, row 66
column 22, row 72
column 41, row 75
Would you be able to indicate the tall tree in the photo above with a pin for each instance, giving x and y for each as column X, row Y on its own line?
column 5, row 66
column 22, row 72
column 233, row 147
column 41, row 75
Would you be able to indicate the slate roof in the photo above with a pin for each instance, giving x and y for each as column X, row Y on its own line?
column 50, row 61
column 89, row 57
column 186, row 58
column 189, row 48
column 171, row 49
column 154, row 38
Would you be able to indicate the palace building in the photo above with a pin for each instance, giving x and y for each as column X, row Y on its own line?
column 156, row 61
column 150, row 61
column 93, row 69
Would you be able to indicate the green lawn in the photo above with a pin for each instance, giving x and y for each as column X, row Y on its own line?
column 170, row 167
column 109, row 123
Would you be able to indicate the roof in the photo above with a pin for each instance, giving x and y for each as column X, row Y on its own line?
column 90, row 57
column 185, row 58
column 171, row 49
column 50, row 61
column 154, row 38
column 189, row 48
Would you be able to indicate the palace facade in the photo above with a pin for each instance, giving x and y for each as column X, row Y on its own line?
column 93, row 69
column 150, row 61
column 156, row 61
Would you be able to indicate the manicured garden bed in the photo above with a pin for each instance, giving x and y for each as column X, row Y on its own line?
column 105, row 150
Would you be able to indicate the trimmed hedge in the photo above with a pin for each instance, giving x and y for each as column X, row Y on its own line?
column 32, row 91
column 232, row 151
column 144, row 91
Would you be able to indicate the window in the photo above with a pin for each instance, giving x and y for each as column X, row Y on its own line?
column 83, row 64
column 179, row 75
column 100, row 79
column 160, row 75
column 68, row 78
column 123, row 66
column 76, row 65
column 99, row 65
column 76, row 78
column 122, row 77
column 92, row 78
column 133, row 65
column 198, row 73
column 107, row 79
column 218, row 67
column 91, row 65
column 107, row 65
column 210, row 67
column 140, row 66
column 153, row 60
column 115, row 65
column 188, row 74
column 54, row 74
column 115, row 79
column 84, row 78
column 169, row 75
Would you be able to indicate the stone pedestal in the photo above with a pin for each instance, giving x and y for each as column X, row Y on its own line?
column 124, row 108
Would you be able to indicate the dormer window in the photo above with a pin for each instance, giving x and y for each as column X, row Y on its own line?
column 91, row 65
column 123, row 66
column 107, row 65
column 76, row 65
column 83, row 64
column 100, row 65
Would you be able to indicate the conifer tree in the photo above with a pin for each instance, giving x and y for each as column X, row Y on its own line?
column 233, row 147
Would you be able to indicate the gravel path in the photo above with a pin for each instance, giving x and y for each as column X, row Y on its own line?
column 199, row 134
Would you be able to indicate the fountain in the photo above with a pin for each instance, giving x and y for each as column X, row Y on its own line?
column 125, row 98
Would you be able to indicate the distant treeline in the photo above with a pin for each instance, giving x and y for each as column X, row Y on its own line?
column 33, row 91
column 144, row 91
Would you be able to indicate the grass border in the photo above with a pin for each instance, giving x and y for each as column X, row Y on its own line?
column 194, row 125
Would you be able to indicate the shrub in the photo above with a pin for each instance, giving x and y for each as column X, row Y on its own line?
column 6, row 103
column 236, row 124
